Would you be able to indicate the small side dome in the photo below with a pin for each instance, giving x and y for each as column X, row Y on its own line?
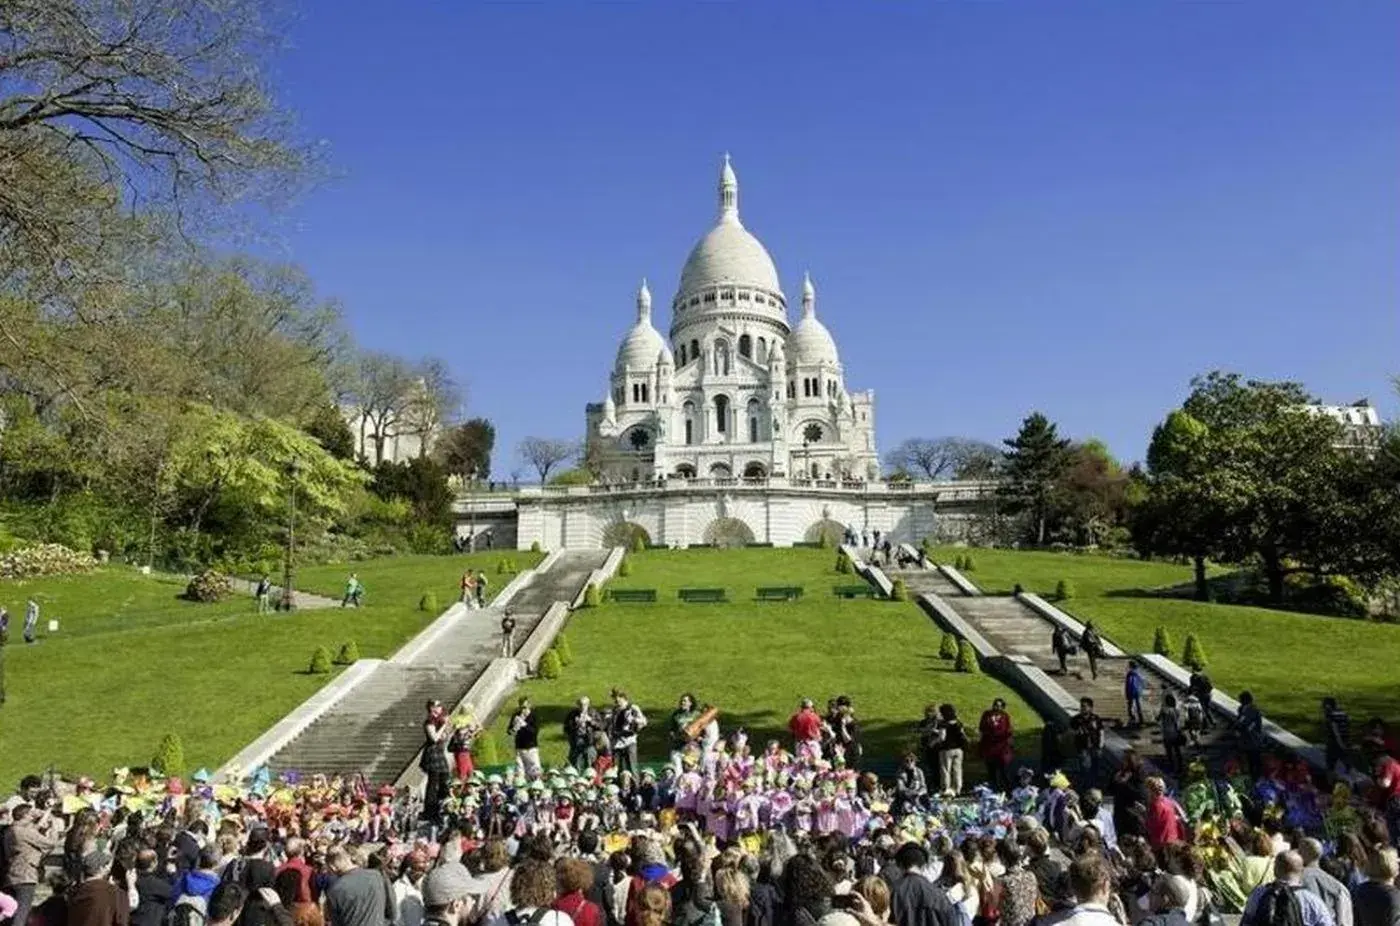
column 643, row 345
column 810, row 341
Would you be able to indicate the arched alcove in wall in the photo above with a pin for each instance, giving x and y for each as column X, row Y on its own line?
column 728, row 532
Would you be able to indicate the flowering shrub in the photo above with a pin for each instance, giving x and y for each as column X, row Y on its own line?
column 45, row 559
column 209, row 586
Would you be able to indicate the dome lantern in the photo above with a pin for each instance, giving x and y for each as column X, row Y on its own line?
column 728, row 193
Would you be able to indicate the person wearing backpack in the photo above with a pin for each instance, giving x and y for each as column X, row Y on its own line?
column 1284, row 901
column 1093, row 647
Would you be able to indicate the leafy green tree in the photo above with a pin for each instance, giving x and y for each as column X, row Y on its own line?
column 1090, row 496
column 577, row 476
column 329, row 428
column 422, row 482
column 465, row 449
column 1031, row 465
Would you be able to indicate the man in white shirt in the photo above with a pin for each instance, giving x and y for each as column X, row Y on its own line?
column 1092, row 883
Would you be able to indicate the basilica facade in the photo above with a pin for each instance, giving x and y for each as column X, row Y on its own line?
column 733, row 391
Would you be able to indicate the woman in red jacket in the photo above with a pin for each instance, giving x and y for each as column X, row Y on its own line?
column 1164, row 816
column 996, row 745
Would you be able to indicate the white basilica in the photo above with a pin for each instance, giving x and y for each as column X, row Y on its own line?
column 735, row 391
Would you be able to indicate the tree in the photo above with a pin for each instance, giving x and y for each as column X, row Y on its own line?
column 545, row 453
column 422, row 483
column 1090, row 496
column 465, row 449
column 1032, row 463
column 942, row 457
column 164, row 101
column 330, row 430
column 434, row 400
column 381, row 388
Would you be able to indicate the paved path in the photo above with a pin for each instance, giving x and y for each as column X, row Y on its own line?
column 376, row 727
column 302, row 601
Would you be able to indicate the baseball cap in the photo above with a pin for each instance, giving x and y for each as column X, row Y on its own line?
column 449, row 882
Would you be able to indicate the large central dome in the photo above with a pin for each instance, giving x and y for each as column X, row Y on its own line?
column 728, row 253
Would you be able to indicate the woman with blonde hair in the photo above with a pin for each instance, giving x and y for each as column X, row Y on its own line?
column 653, row 906
column 732, row 894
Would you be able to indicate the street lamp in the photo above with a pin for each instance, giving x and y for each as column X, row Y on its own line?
column 288, row 603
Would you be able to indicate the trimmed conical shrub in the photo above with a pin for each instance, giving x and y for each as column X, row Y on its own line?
column 624, row 568
column 565, row 650
column 843, row 562
column 639, row 542
column 968, row 564
column 1194, row 655
column 1162, row 642
column 485, row 749
column 428, row 602
column 967, row 658
column 349, row 653
column 550, row 664
column 320, row 661
column 948, row 647
column 502, row 566
column 535, row 546
column 170, row 756
column 959, row 562
column 1064, row 590
column 591, row 596
column 899, row 591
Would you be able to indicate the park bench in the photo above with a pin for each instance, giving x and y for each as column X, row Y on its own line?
column 853, row 591
column 702, row 595
column 632, row 595
column 779, row 593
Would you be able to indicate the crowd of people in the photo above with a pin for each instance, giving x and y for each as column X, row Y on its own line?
column 793, row 834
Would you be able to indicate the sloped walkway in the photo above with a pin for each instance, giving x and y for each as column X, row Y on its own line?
column 302, row 601
column 375, row 728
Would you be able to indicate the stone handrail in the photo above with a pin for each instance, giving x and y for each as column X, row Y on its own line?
column 949, row 619
column 1076, row 629
column 484, row 697
column 944, row 491
column 964, row 584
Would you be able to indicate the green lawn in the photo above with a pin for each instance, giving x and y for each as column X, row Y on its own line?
column 132, row 661
column 1289, row 661
column 754, row 661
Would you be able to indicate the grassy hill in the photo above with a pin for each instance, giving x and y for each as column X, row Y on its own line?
column 1289, row 661
column 754, row 661
column 132, row 660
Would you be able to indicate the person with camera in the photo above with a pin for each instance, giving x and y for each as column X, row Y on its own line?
column 624, row 726
column 32, row 834
column 580, row 726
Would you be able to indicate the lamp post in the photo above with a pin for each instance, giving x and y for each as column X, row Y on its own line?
column 288, row 603
column 471, row 509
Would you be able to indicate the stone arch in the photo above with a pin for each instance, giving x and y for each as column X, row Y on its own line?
column 755, row 470
column 720, row 471
column 728, row 532
column 624, row 534
column 685, row 471
column 832, row 532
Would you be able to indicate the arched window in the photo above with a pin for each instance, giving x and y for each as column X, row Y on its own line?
column 722, row 414
column 792, row 389
column 762, row 355
column 646, row 392
column 745, row 346
column 680, row 356
column 694, row 350
column 753, row 410
column 689, row 411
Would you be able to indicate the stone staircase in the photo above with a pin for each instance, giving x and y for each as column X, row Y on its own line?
column 1014, row 628
column 924, row 581
column 376, row 727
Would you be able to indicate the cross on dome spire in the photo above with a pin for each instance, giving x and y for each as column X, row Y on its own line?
column 728, row 192
column 644, row 302
column 809, row 295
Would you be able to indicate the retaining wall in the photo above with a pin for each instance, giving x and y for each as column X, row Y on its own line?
column 600, row 575
column 541, row 637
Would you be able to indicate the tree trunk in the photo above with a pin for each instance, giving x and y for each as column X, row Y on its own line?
column 1202, row 590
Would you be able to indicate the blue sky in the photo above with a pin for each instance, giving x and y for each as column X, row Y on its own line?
column 1066, row 207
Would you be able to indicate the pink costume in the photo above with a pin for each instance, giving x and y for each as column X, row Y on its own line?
column 688, row 791
column 780, row 804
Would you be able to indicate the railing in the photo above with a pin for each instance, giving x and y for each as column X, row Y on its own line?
column 943, row 491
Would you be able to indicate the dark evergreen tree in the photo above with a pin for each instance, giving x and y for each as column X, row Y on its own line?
column 1033, row 462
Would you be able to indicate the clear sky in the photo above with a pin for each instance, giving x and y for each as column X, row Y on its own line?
column 1006, row 207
